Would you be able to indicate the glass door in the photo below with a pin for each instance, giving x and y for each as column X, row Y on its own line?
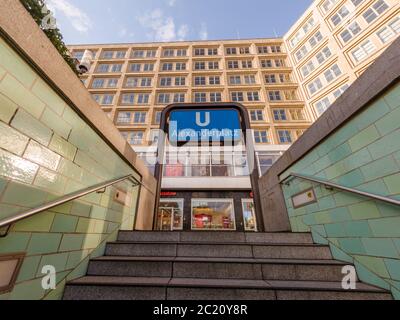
column 249, row 215
column 170, row 215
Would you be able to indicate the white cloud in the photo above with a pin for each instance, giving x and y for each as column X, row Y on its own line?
column 122, row 32
column 203, row 33
column 78, row 19
column 162, row 28
column 171, row 3
column 183, row 31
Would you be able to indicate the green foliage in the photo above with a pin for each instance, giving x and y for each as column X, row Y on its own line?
column 35, row 8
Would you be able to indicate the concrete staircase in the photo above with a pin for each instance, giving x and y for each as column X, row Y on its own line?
column 216, row 266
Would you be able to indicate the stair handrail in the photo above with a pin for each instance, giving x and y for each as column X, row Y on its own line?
column 287, row 180
column 7, row 222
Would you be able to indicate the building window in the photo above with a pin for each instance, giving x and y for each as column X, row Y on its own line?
column 315, row 86
column 213, row 51
column 270, row 78
column 170, row 215
column 323, row 55
column 266, row 63
column 132, row 82
column 340, row 15
column 199, row 52
column 167, row 67
column 148, row 67
column 181, row 53
column 375, row 10
column 146, row 82
column 332, row 73
column 200, row 81
column 328, row 4
column 120, row 54
column 214, row 80
column 389, row 32
column 78, row 55
column 233, row 64
column 108, row 55
column 124, row 118
column 307, row 69
column 244, row 50
column 136, row 138
column 247, row 64
column 151, row 53
column 98, row 83
column 103, row 68
column 249, row 79
column 180, row 66
column 231, row 51
column 179, row 98
column 169, row 53
column 279, row 115
column 157, row 117
column 323, row 105
column 285, row 136
column 215, row 97
column 213, row 65
column 257, row 115
column 253, row 96
column 213, row 214
column 103, row 99
column 200, row 97
column 135, row 67
column 265, row 161
column 143, row 98
column 350, row 32
column 261, row 136
column 237, row 96
column 297, row 114
column 274, row 95
column 138, row 54
column 337, row 93
column 139, row 117
column 363, row 51
column 315, row 39
column 180, row 81
column 200, row 66
column 165, row 82
column 233, row 80
column 164, row 98
column 128, row 99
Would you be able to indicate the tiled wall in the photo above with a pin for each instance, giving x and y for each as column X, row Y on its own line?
column 363, row 154
column 46, row 151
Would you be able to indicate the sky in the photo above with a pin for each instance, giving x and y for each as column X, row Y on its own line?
column 133, row 21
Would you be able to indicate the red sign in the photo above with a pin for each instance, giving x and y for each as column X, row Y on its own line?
column 167, row 194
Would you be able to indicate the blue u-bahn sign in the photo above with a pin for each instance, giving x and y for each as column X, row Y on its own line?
column 204, row 125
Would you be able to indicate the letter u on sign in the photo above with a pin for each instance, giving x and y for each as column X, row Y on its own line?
column 207, row 119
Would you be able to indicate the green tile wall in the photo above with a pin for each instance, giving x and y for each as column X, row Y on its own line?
column 363, row 154
column 46, row 151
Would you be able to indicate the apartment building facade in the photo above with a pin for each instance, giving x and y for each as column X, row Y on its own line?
column 133, row 83
column 335, row 41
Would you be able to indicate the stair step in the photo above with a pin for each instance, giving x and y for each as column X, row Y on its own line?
column 226, row 250
column 221, row 268
column 130, row 288
column 215, row 237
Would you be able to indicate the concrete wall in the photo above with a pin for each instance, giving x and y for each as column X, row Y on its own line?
column 356, row 143
column 55, row 140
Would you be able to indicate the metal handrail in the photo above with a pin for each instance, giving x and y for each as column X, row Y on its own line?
column 340, row 187
column 72, row 196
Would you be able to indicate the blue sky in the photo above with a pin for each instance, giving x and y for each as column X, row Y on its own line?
column 101, row 21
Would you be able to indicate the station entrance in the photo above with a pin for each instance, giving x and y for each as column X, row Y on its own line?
column 206, row 170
